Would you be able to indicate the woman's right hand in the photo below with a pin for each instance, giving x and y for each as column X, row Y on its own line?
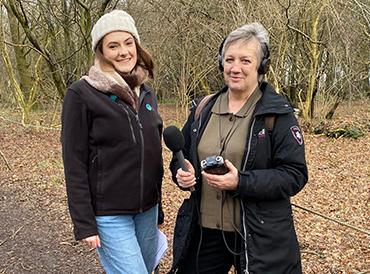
column 92, row 242
column 186, row 179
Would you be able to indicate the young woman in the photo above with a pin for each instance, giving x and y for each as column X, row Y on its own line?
column 111, row 137
column 242, row 217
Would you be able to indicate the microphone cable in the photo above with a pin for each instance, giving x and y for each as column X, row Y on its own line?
column 200, row 232
column 237, row 232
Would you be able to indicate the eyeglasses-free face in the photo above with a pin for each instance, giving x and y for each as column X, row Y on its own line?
column 120, row 49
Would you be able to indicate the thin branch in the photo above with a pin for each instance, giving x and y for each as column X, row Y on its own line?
column 305, row 35
column 7, row 164
column 103, row 7
column 3, row 271
column 23, row 12
column 83, row 5
column 115, row 5
column 3, row 242
column 286, row 11
column 66, row 243
column 293, row 28
column 312, row 252
column 364, row 231
column 25, row 46
column 69, row 56
column 13, row 236
column 30, row 35
column 16, row 232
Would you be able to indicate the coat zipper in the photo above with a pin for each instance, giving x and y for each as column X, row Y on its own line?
column 245, row 241
column 249, row 144
column 93, row 159
column 141, row 163
column 141, row 150
column 246, row 271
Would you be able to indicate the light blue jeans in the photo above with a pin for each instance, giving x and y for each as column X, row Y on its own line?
column 128, row 242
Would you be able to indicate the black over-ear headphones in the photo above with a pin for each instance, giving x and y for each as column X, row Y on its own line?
column 264, row 65
column 220, row 61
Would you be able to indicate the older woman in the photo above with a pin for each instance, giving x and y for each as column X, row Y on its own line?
column 243, row 217
column 111, row 138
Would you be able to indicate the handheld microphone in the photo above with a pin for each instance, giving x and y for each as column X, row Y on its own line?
column 175, row 141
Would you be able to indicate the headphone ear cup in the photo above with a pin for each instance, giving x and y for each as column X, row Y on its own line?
column 220, row 61
column 220, row 64
column 264, row 66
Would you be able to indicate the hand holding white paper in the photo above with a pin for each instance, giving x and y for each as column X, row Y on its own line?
column 161, row 247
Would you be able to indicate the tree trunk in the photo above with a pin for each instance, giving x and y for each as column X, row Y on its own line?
column 22, row 66
column 334, row 107
column 314, row 63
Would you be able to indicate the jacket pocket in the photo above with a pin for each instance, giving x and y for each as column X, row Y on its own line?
column 130, row 120
column 93, row 175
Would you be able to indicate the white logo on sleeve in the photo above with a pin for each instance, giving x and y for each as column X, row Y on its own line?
column 296, row 132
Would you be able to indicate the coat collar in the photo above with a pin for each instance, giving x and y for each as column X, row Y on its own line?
column 221, row 105
column 271, row 102
column 107, row 80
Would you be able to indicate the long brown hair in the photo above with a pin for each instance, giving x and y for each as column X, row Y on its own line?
column 144, row 58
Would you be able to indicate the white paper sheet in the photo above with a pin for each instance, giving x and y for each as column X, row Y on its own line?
column 161, row 247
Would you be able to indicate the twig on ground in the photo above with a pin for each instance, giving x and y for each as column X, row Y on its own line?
column 16, row 232
column 66, row 243
column 26, row 268
column 312, row 252
column 364, row 231
column 5, row 160
column 3, row 242
column 12, row 237
column 2, row 271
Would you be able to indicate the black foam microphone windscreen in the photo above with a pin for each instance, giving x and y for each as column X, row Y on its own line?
column 173, row 138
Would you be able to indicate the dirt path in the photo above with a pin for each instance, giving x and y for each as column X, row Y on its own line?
column 35, row 230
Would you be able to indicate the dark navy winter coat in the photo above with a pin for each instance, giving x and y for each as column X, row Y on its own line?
column 273, row 170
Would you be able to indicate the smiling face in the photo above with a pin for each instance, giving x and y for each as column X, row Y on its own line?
column 241, row 63
column 119, row 48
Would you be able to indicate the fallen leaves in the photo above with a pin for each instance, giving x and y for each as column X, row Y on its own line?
column 32, row 197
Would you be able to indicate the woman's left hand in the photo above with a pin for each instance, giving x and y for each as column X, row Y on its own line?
column 228, row 181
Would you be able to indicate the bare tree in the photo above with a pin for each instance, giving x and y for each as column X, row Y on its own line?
column 319, row 49
column 26, row 88
column 54, row 33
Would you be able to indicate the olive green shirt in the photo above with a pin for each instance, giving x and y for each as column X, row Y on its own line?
column 225, row 134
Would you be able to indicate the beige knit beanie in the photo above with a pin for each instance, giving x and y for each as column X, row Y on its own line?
column 116, row 20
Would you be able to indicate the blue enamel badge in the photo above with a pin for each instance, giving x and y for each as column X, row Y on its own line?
column 148, row 107
column 113, row 98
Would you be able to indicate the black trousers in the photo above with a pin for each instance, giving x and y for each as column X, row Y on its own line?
column 213, row 256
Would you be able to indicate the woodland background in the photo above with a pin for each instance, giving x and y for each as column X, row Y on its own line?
column 319, row 48
column 320, row 60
